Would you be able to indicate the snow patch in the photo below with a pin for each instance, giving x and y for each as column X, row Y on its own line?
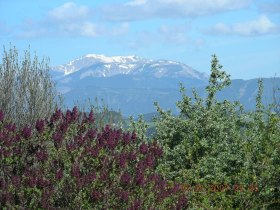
column 112, row 59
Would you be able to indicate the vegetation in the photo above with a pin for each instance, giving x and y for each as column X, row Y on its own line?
column 27, row 92
column 276, row 99
column 213, row 155
column 223, row 157
column 68, row 163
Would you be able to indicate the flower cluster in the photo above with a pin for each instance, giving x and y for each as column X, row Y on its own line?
column 66, row 162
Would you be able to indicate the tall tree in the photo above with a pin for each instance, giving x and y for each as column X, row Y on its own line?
column 27, row 92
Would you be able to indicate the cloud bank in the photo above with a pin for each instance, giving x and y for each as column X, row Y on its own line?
column 148, row 9
column 261, row 26
column 70, row 20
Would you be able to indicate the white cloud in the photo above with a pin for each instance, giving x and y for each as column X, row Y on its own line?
column 69, row 12
column 143, row 9
column 260, row 26
column 175, row 34
column 169, row 35
column 70, row 20
column 88, row 29
column 221, row 28
column 122, row 29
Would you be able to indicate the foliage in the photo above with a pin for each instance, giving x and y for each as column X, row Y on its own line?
column 225, row 158
column 27, row 92
column 276, row 98
column 66, row 162
column 140, row 127
column 213, row 153
column 103, row 114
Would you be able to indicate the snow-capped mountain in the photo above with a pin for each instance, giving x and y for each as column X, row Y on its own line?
column 93, row 65
column 129, row 83
column 92, row 59
column 132, row 84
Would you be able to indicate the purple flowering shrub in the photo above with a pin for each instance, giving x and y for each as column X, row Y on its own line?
column 65, row 162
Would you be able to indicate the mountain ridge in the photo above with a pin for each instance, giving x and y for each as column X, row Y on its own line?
column 132, row 84
column 103, row 66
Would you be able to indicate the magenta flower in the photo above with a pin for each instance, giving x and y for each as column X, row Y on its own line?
column 59, row 174
column 56, row 116
column 156, row 150
column 91, row 134
column 76, row 171
column 150, row 161
column 132, row 156
column 16, row 181
column 182, row 203
column 103, row 176
column 125, row 178
column 90, row 177
column 63, row 127
column 126, row 138
column 68, row 116
column 111, row 143
column 57, row 137
column 17, row 138
column 42, row 155
column 70, row 147
column 95, row 195
column 136, row 205
column 43, row 182
column 26, row 132
column 79, row 140
column 134, row 136
column 139, row 179
column 40, row 124
column 122, row 160
column 92, row 151
column 32, row 181
column 141, row 165
column 124, row 195
column 175, row 189
column 91, row 117
column 74, row 114
column 11, row 127
column 144, row 148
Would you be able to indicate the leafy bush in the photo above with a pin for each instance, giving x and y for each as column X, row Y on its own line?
column 65, row 162
column 225, row 158
column 27, row 92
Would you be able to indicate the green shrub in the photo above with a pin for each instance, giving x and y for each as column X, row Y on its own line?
column 224, row 157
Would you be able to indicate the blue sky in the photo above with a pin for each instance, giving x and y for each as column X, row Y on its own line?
column 245, row 34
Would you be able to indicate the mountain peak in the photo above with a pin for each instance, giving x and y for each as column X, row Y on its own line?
column 112, row 59
column 98, row 65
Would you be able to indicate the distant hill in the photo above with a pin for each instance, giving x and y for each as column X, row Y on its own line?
column 132, row 84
